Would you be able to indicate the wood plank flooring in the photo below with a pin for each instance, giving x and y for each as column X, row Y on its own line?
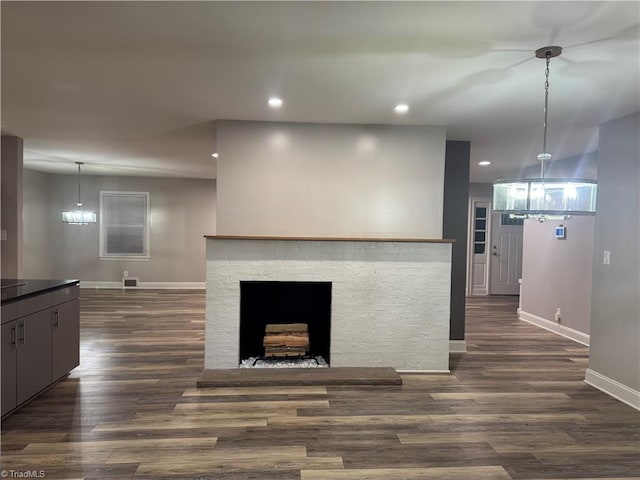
column 514, row 407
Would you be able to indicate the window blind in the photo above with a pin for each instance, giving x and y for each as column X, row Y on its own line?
column 125, row 220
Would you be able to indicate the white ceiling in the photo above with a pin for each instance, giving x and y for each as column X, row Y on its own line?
column 134, row 88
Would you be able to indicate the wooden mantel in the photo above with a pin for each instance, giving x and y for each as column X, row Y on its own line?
column 330, row 239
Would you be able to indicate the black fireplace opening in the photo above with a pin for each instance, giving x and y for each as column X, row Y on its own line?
column 268, row 302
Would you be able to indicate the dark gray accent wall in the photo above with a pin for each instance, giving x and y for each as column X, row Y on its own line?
column 455, row 226
column 615, row 303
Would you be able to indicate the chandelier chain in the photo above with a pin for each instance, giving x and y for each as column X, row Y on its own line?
column 79, row 203
column 545, row 155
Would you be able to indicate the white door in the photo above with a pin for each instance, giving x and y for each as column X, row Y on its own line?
column 506, row 255
column 479, row 235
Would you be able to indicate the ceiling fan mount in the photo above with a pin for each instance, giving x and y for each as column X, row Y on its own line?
column 548, row 52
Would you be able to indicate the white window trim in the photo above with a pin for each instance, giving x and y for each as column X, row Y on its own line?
column 147, row 246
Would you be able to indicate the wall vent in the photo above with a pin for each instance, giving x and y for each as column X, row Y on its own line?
column 129, row 282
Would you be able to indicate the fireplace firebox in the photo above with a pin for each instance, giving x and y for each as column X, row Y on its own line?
column 264, row 303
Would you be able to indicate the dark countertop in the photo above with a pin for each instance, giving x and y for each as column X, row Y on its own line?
column 13, row 289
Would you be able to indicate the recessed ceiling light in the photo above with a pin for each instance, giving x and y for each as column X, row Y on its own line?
column 484, row 163
column 401, row 108
column 275, row 102
column 214, row 155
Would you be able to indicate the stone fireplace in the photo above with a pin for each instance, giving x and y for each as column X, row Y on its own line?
column 389, row 303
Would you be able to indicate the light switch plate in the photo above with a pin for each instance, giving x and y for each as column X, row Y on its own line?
column 3, row 234
column 606, row 257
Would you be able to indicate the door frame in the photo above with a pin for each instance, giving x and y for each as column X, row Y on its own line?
column 473, row 201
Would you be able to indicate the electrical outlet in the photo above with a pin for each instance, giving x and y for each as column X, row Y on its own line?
column 558, row 315
column 3, row 234
column 606, row 257
column 125, row 273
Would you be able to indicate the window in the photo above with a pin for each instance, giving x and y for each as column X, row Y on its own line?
column 124, row 224
column 480, row 230
column 507, row 219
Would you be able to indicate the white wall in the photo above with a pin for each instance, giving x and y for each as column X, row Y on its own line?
column 557, row 274
column 36, row 223
column 330, row 180
column 614, row 361
column 182, row 212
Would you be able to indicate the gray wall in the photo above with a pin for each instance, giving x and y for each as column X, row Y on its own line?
column 182, row 212
column 455, row 226
column 557, row 273
column 580, row 166
column 481, row 190
column 36, row 198
column 11, row 205
column 330, row 180
column 615, row 306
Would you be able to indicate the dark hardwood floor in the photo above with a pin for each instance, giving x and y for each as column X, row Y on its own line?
column 514, row 407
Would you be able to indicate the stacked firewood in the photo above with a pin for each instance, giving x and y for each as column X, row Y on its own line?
column 286, row 340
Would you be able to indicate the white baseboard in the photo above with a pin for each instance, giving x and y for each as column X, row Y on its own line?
column 457, row 346
column 147, row 285
column 423, row 371
column 84, row 284
column 554, row 327
column 173, row 285
column 615, row 389
column 479, row 292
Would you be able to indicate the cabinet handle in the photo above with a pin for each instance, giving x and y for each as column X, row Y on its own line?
column 56, row 322
column 13, row 337
column 21, row 336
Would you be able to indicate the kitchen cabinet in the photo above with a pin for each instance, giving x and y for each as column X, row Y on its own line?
column 39, row 338
column 33, row 354
column 65, row 338
column 8, row 345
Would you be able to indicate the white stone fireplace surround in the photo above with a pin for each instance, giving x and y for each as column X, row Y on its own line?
column 389, row 305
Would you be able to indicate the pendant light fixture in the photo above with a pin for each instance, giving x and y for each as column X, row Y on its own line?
column 79, row 217
column 544, row 198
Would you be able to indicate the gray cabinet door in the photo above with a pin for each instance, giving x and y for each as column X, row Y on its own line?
column 66, row 338
column 8, row 340
column 34, row 354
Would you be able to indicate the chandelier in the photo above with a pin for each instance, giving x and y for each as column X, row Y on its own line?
column 544, row 198
column 78, row 217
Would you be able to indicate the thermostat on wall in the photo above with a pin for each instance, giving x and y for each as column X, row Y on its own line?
column 561, row 232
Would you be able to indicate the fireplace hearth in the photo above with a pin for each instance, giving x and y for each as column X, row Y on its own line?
column 280, row 319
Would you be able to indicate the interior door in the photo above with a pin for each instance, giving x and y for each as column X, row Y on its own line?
column 506, row 255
